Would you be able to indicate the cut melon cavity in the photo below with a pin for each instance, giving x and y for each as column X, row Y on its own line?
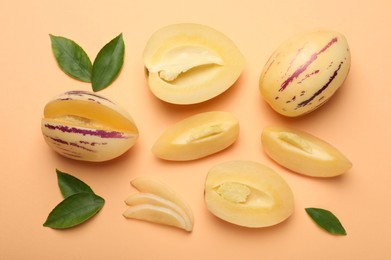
column 190, row 63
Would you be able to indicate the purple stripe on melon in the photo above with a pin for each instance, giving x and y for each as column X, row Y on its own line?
column 291, row 100
column 72, row 155
column 57, row 140
column 63, row 149
column 308, row 75
column 268, row 67
column 60, row 141
column 92, row 143
column 94, row 100
column 81, row 93
column 99, row 133
column 317, row 93
column 76, row 92
column 292, row 61
column 334, row 40
column 303, row 67
column 81, row 147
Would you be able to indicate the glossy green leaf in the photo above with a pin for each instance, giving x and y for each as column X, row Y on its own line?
column 326, row 220
column 74, row 210
column 70, row 185
column 108, row 63
column 71, row 58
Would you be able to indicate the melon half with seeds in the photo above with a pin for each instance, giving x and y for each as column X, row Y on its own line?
column 248, row 194
column 190, row 63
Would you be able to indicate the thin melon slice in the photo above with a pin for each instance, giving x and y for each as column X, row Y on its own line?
column 156, row 214
column 152, row 199
column 156, row 187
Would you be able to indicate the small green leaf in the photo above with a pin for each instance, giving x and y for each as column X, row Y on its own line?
column 70, row 185
column 326, row 220
column 74, row 210
column 71, row 58
column 108, row 64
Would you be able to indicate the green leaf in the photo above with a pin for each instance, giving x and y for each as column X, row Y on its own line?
column 71, row 58
column 70, row 185
column 74, row 210
column 326, row 220
column 108, row 64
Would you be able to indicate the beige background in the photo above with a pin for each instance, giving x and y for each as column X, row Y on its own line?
column 356, row 121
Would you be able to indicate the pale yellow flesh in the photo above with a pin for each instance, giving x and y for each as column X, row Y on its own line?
column 152, row 199
column 151, row 185
column 248, row 194
column 88, row 114
column 190, row 63
column 197, row 136
column 156, row 214
column 182, row 59
column 303, row 153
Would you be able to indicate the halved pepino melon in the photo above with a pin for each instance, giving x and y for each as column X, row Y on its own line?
column 191, row 63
